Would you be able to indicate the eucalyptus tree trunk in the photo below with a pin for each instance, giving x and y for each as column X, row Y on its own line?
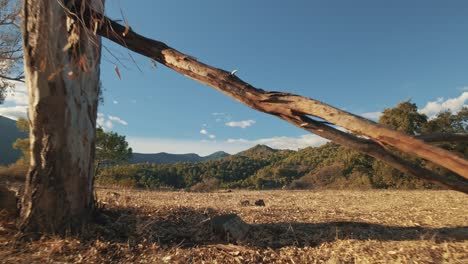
column 61, row 60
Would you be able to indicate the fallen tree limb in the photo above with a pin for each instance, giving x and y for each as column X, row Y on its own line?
column 443, row 137
column 295, row 109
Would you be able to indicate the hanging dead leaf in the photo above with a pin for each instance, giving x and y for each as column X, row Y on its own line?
column 71, row 75
column 117, row 71
column 96, row 24
column 127, row 28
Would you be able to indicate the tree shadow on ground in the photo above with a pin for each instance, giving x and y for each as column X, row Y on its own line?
column 189, row 227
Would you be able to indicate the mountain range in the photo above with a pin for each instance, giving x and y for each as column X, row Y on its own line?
column 8, row 135
column 168, row 158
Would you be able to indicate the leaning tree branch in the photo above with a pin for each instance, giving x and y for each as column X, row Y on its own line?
column 443, row 137
column 375, row 150
column 290, row 107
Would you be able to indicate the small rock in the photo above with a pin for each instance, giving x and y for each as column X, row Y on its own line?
column 230, row 226
column 245, row 203
column 209, row 211
column 114, row 194
column 260, row 203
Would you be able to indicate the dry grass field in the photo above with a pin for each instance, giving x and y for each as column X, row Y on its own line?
column 292, row 227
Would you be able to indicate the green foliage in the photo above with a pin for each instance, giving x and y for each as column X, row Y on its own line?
column 23, row 143
column 111, row 149
column 22, row 124
column 445, row 122
column 327, row 166
column 404, row 117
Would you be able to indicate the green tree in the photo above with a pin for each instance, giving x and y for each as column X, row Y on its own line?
column 446, row 122
column 111, row 148
column 404, row 117
column 23, row 143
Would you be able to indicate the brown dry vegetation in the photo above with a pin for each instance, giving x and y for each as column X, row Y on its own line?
column 293, row 227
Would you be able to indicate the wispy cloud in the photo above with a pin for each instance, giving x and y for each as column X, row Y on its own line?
column 372, row 115
column 14, row 112
column 107, row 122
column 206, row 147
column 432, row 108
column 16, row 102
column 242, row 124
column 118, row 120
column 452, row 104
column 205, row 132
column 18, row 95
column 115, row 102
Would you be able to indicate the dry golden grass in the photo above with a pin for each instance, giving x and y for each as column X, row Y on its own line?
column 293, row 227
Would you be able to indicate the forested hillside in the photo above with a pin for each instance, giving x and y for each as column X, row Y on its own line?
column 168, row 158
column 8, row 135
column 327, row 166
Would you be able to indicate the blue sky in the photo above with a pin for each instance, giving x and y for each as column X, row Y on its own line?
column 361, row 56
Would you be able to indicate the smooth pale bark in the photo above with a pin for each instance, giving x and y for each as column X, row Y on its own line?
column 62, row 74
column 297, row 110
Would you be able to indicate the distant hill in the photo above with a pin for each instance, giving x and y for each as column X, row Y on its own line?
column 167, row 158
column 261, row 167
column 258, row 152
column 8, row 134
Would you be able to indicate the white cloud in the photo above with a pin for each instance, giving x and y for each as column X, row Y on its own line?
column 206, row 147
column 205, row 132
column 242, row 124
column 118, row 120
column 14, row 112
column 372, row 115
column 17, row 95
column 452, row 104
column 221, row 117
column 107, row 122
column 115, row 102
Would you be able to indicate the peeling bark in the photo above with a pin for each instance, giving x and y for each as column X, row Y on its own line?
column 62, row 74
column 298, row 110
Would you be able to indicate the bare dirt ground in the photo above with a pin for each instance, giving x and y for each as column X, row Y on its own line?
column 292, row 227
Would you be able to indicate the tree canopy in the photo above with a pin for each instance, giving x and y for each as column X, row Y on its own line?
column 111, row 148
